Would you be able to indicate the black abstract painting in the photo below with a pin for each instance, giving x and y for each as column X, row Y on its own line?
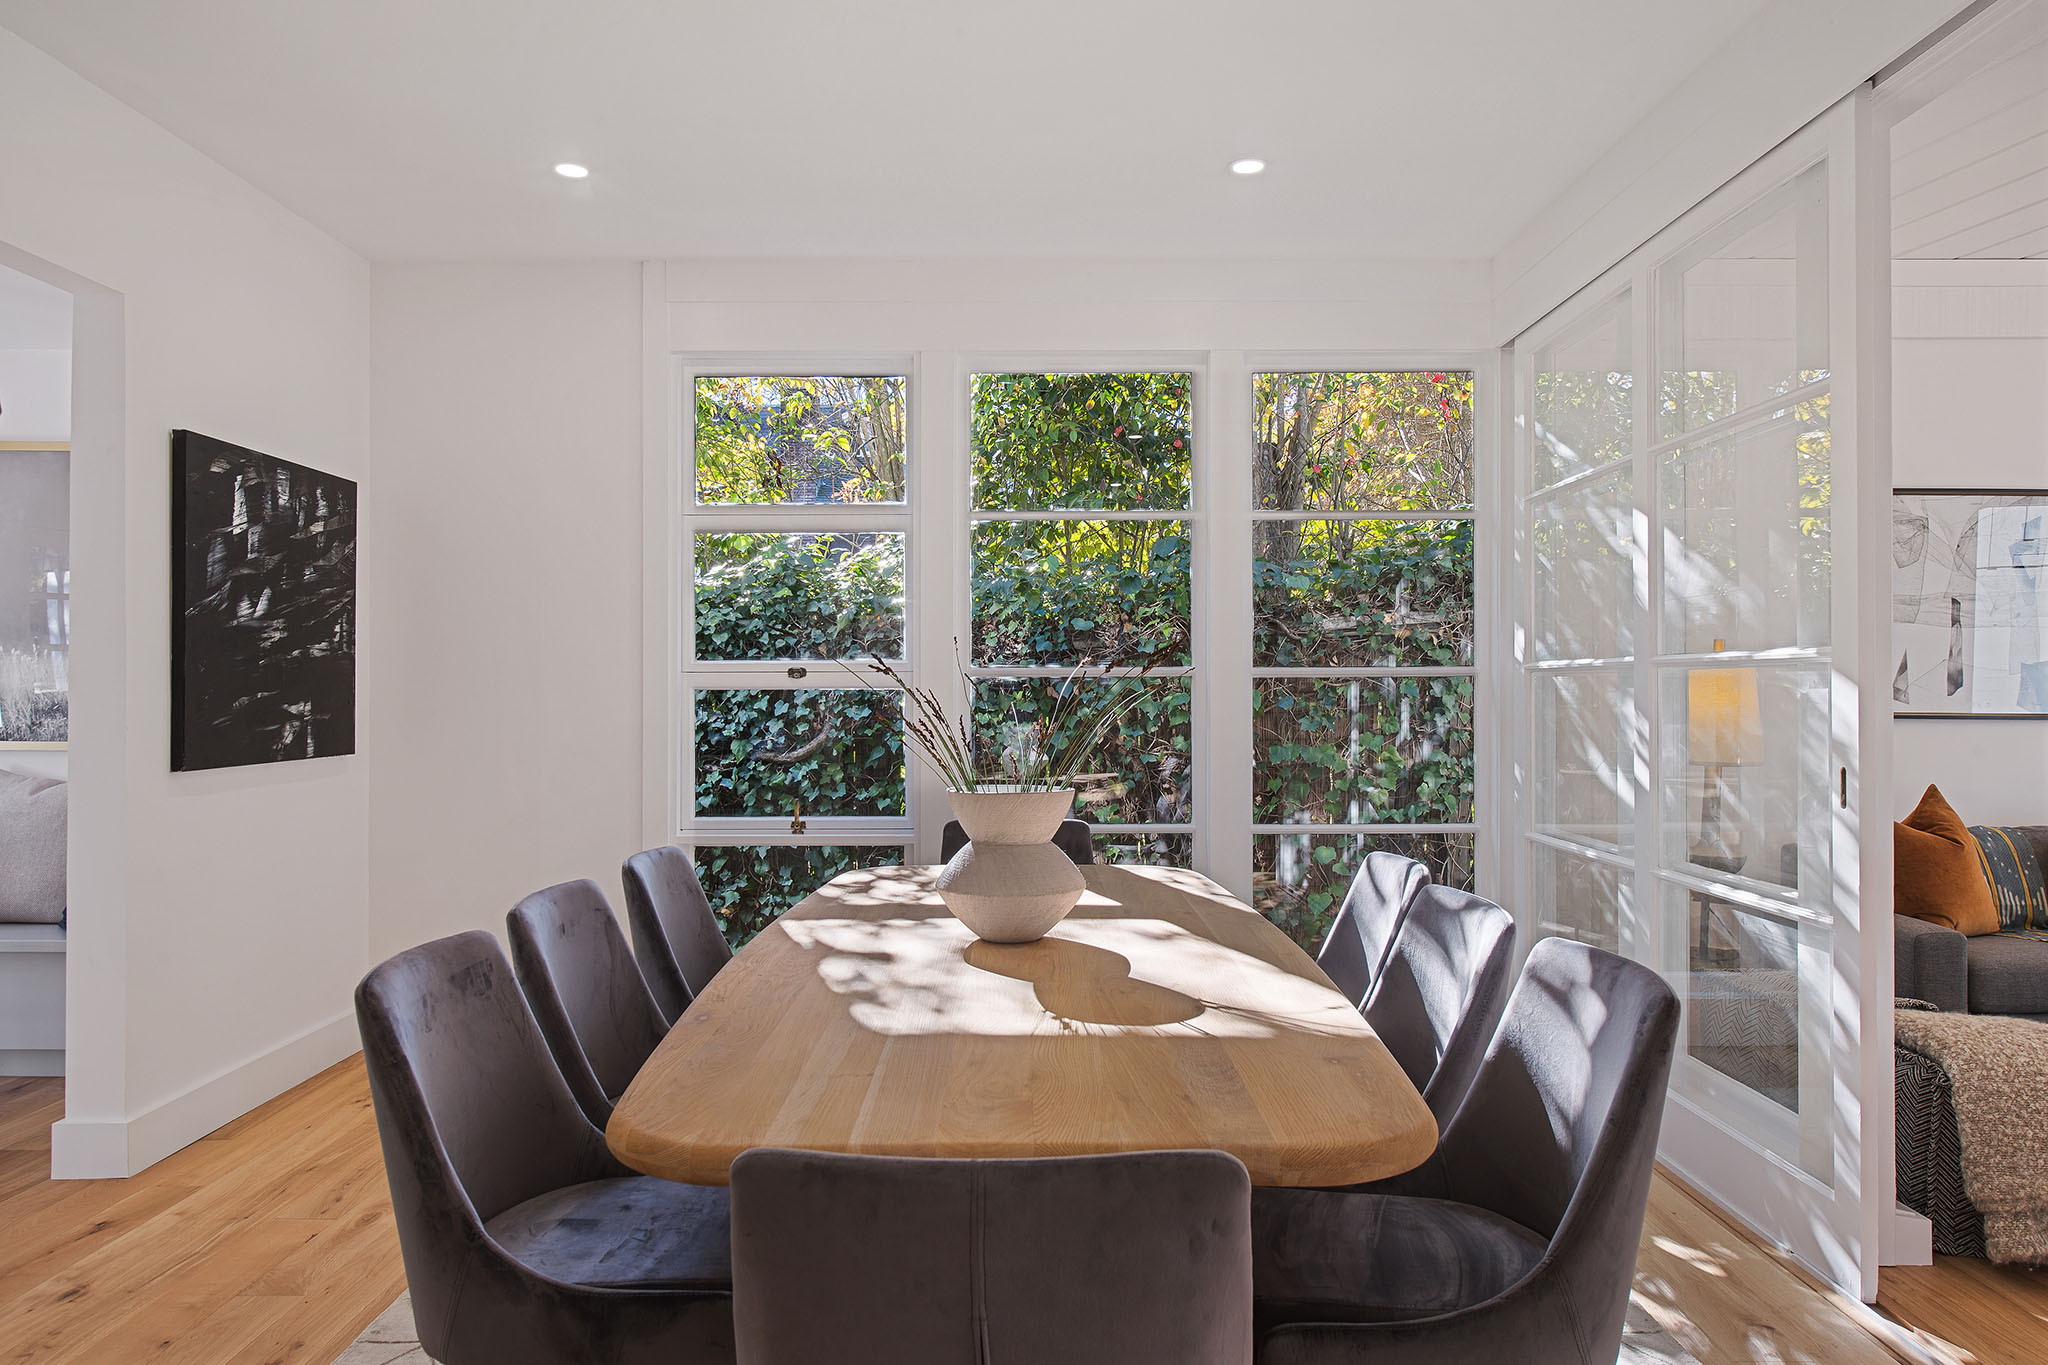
column 263, row 608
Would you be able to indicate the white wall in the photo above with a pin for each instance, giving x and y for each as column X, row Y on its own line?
column 501, row 550
column 218, row 920
column 1970, row 410
column 35, row 395
column 35, row 359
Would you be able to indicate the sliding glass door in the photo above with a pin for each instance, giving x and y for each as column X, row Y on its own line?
column 1695, row 430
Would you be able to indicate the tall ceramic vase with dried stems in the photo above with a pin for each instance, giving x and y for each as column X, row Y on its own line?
column 1011, row 883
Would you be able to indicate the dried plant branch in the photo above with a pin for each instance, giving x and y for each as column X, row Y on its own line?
column 1035, row 755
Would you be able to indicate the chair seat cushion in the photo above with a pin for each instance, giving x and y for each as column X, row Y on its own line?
column 635, row 1232
column 1325, row 1256
column 2008, row 975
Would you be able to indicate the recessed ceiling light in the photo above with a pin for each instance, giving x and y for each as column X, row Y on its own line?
column 1250, row 165
column 569, row 170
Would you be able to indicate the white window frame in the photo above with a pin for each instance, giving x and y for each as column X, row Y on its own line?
column 1482, row 367
column 937, row 516
column 1195, row 366
column 693, row 519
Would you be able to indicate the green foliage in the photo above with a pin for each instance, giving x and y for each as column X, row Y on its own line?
column 1334, row 594
column 1139, row 771
column 764, row 597
column 1071, row 592
column 788, row 438
column 1331, row 441
column 772, row 752
column 748, row 885
column 1370, row 751
column 1299, row 880
column 1106, row 442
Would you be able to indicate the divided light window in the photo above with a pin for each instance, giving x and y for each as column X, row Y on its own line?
column 1080, row 577
column 797, row 534
column 1363, row 658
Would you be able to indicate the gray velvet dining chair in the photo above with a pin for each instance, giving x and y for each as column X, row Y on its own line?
column 676, row 938
column 525, row 1242
column 1141, row 1258
column 1441, row 991
column 587, row 995
column 1516, row 1240
column 1363, row 933
column 1075, row 838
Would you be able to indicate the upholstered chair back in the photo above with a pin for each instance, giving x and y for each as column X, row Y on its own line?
column 676, row 938
column 1134, row 1259
column 472, row 1114
column 587, row 994
column 1363, row 932
column 1442, row 989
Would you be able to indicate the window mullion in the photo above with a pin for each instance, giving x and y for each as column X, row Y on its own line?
column 1221, row 602
column 936, row 615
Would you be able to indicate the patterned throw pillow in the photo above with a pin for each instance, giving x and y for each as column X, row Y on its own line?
column 2007, row 856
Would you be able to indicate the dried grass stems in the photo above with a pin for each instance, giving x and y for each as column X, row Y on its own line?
column 1038, row 753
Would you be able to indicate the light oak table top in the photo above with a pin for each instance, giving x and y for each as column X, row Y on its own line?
column 1160, row 1014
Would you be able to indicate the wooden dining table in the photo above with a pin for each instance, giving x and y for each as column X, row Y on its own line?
column 1160, row 1014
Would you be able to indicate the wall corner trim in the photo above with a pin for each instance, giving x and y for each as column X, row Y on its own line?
column 95, row 1149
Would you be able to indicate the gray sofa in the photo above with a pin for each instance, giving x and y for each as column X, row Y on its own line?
column 33, row 819
column 1988, row 974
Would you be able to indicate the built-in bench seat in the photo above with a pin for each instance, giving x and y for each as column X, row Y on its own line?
column 31, row 999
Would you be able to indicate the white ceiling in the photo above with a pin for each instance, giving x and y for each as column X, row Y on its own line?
column 33, row 316
column 1970, row 167
column 424, row 129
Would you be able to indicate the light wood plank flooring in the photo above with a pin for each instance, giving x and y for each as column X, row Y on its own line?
column 270, row 1242
column 1993, row 1315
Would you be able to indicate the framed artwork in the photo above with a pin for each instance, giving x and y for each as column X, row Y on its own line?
column 1970, row 602
column 35, row 596
column 263, row 608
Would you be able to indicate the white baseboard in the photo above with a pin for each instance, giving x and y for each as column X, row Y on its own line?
column 31, row 1061
column 93, row 1149
column 1908, row 1239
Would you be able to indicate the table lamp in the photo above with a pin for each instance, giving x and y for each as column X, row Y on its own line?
column 1723, row 731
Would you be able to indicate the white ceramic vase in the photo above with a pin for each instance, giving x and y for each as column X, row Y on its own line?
column 1010, row 884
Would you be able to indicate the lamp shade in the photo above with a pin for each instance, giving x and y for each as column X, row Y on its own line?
column 1721, row 716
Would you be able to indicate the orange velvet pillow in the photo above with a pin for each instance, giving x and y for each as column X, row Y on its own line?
column 1935, row 872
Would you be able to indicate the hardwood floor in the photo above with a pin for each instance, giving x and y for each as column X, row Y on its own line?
column 1993, row 1315
column 271, row 1242
column 1724, row 1297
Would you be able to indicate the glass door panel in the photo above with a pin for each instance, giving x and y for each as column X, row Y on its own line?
column 1583, row 558
column 1746, row 544
column 1584, row 776
column 1578, row 898
column 1690, row 663
column 1745, row 309
column 1745, row 766
column 1583, row 401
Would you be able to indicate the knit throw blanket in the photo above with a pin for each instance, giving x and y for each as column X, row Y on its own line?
column 1998, row 1070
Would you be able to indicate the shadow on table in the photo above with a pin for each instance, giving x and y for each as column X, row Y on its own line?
column 1084, row 983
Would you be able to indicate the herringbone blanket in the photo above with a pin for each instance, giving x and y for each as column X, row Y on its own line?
column 1998, row 1070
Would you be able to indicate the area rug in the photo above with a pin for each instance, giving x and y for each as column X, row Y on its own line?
column 392, row 1340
